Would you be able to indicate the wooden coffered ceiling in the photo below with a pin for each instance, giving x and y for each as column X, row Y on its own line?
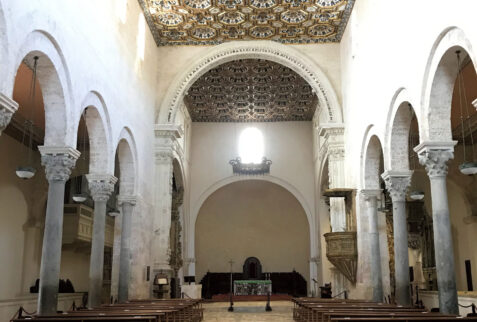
column 251, row 90
column 210, row 22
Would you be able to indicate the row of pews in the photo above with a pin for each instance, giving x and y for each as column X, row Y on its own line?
column 337, row 310
column 170, row 310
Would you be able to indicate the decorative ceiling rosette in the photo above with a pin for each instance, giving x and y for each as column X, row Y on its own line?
column 250, row 90
column 210, row 22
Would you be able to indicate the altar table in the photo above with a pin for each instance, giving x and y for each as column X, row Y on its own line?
column 252, row 287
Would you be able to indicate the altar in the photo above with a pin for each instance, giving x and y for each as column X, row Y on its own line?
column 252, row 287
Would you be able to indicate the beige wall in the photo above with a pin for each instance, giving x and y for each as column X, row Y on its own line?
column 20, row 199
column 252, row 218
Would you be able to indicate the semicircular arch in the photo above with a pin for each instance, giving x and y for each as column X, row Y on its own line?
column 272, row 51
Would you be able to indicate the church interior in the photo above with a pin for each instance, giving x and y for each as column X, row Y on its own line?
column 238, row 160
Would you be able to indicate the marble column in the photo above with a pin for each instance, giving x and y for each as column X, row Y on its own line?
column 31, row 253
column 371, row 198
column 397, row 183
column 127, row 204
column 7, row 108
column 434, row 156
column 101, row 186
column 165, row 146
column 58, row 163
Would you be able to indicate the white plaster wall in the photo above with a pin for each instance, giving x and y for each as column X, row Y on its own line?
column 252, row 218
column 287, row 144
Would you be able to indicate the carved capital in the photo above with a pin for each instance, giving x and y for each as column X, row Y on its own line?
column 434, row 156
column 7, row 108
column 58, row 162
column 123, row 199
column 397, row 183
column 101, row 186
column 336, row 153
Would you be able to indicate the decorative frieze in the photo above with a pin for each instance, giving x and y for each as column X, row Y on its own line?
column 58, row 162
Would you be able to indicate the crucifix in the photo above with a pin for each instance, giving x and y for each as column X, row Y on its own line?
column 231, row 307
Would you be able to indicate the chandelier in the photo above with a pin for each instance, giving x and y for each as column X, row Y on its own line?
column 28, row 171
column 467, row 167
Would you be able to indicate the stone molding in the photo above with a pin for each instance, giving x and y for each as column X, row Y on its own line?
column 316, row 260
column 122, row 199
column 58, row 162
column 370, row 193
column 397, row 183
column 101, row 186
column 189, row 260
column 167, row 143
column 434, row 156
column 7, row 108
column 253, row 49
column 168, row 130
column 333, row 134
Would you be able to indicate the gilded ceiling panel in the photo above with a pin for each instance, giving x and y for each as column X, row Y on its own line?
column 210, row 22
column 250, row 90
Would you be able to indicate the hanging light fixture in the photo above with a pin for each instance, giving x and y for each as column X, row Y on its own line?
column 415, row 194
column 80, row 196
column 467, row 167
column 28, row 171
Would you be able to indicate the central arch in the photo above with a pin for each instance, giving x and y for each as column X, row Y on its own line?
column 272, row 51
column 252, row 218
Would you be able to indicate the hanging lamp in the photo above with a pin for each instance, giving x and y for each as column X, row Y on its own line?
column 467, row 167
column 79, row 196
column 414, row 194
column 28, row 171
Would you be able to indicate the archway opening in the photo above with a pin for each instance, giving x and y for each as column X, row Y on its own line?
column 252, row 218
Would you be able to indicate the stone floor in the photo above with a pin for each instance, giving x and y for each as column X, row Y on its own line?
column 248, row 311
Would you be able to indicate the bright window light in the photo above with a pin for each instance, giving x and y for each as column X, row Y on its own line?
column 251, row 146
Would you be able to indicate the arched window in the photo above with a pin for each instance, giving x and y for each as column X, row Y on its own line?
column 251, row 146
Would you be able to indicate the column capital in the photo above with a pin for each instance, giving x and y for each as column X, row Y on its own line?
column 370, row 193
column 7, row 107
column 58, row 161
column 434, row 156
column 397, row 183
column 122, row 199
column 101, row 186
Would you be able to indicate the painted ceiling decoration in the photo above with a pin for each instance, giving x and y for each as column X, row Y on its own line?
column 251, row 90
column 210, row 22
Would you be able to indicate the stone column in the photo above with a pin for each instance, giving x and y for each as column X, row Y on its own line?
column 101, row 186
column 371, row 197
column 434, row 156
column 397, row 183
column 127, row 204
column 165, row 145
column 334, row 140
column 7, row 108
column 58, row 162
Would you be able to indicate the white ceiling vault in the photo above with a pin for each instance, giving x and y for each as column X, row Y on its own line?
column 211, row 22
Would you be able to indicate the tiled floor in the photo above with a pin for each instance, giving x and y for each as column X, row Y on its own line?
column 248, row 311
